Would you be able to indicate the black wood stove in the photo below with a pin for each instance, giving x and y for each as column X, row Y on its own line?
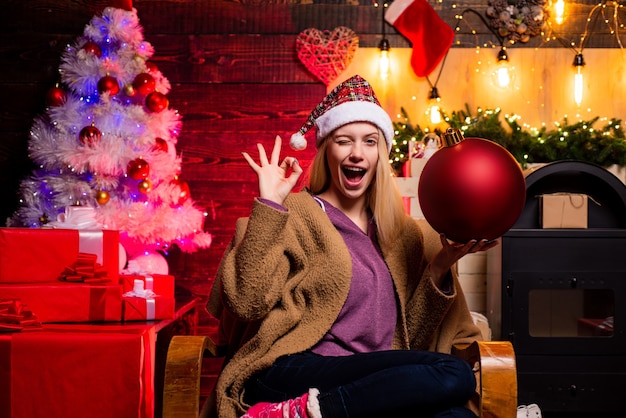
column 560, row 295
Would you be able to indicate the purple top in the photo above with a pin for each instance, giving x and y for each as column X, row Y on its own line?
column 367, row 320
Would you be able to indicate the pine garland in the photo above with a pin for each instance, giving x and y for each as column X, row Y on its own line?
column 579, row 141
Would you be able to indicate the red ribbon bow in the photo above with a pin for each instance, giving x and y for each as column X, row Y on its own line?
column 85, row 270
column 15, row 316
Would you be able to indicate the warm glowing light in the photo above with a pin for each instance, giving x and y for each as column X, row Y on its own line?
column 559, row 11
column 434, row 110
column 383, row 60
column 578, row 86
column 435, row 114
column 503, row 70
column 383, row 64
column 579, row 62
column 504, row 79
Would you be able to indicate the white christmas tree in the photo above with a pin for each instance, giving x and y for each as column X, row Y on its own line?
column 108, row 141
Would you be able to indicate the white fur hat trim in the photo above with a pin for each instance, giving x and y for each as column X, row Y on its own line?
column 355, row 111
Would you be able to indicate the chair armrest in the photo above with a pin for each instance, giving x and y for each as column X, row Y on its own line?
column 183, row 370
column 496, row 376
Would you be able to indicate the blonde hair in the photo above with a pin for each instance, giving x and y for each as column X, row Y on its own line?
column 383, row 196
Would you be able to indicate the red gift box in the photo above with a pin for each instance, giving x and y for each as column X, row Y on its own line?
column 68, row 302
column 79, row 370
column 39, row 255
column 160, row 284
column 145, row 309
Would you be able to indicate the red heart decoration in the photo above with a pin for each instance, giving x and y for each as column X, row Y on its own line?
column 326, row 54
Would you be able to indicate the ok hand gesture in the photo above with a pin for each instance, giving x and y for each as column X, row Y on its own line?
column 274, row 182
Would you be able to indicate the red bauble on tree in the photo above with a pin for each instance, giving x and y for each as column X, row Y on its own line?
column 182, row 191
column 56, row 96
column 138, row 169
column 160, row 144
column 89, row 135
column 92, row 47
column 151, row 67
column 471, row 188
column 144, row 83
column 108, row 84
column 157, row 102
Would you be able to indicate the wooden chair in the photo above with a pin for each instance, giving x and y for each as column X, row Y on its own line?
column 493, row 363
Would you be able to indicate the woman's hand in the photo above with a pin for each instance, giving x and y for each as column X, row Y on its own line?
column 274, row 183
column 451, row 252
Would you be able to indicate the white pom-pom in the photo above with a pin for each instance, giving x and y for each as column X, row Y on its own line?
column 298, row 141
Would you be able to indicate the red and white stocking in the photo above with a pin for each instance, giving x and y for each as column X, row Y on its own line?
column 429, row 35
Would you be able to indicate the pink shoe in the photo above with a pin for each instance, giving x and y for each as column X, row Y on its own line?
column 305, row 406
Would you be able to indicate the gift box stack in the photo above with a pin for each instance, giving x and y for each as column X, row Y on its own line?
column 70, row 275
column 63, row 275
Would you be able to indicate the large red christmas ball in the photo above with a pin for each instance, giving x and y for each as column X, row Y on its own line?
column 108, row 84
column 138, row 169
column 471, row 188
column 89, row 135
column 157, row 102
column 144, row 83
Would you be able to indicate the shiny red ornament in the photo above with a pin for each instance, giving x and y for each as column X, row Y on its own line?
column 89, row 135
column 157, row 102
column 55, row 96
column 471, row 188
column 108, row 84
column 92, row 47
column 151, row 67
column 160, row 144
column 144, row 83
column 183, row 191
column 138, row 169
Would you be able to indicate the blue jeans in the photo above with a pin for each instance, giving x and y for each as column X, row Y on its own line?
column 398, row 383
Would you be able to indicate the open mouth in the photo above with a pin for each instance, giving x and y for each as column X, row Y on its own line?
column 353, row 174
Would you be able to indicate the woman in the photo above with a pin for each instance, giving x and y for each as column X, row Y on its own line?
column 325, row 296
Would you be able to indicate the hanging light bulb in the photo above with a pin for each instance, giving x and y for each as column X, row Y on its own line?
column 579, row 62
column 383, row 61
column 559, row 11
column 503, row 70
column 433, row 106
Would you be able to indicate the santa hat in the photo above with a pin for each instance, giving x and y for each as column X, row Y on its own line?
column 353, row 100
column 429, row 35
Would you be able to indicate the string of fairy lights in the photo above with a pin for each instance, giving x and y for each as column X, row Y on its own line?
column 518, row 23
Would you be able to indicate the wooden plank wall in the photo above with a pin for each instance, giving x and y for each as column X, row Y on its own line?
column 235, row 76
